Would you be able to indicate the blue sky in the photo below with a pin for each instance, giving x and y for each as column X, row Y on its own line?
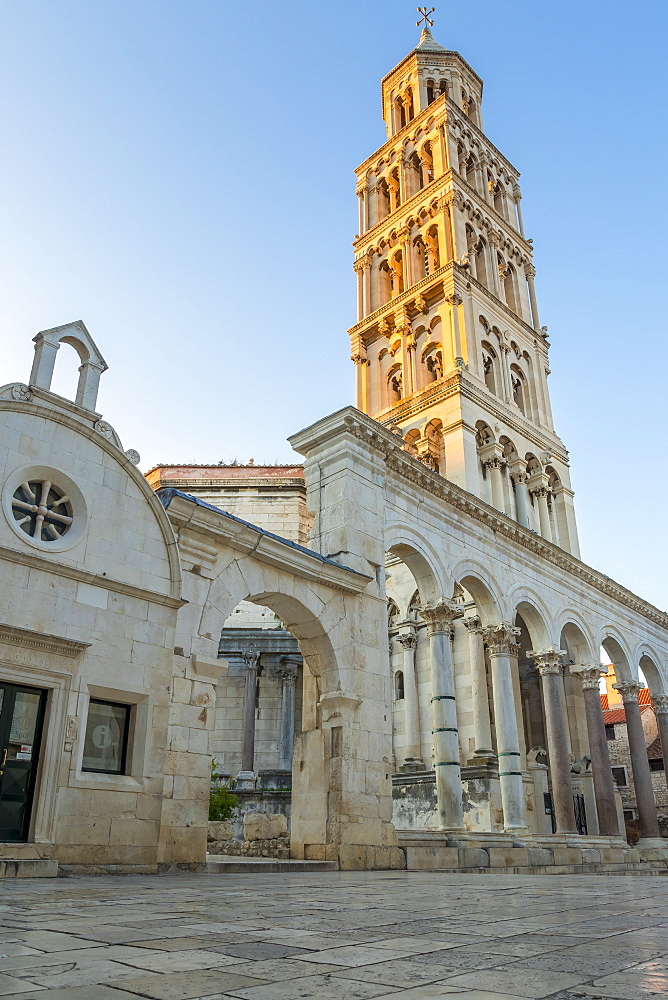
column 179, row 176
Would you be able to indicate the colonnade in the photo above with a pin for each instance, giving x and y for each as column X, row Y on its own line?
column 499, row 642
column 287, row 671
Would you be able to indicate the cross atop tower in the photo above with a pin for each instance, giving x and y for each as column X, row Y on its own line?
column 428, row 22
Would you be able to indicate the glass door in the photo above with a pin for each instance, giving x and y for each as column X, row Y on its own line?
column 21, row 718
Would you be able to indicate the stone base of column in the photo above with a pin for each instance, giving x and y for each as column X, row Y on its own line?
column 652, row 843
column 412, row 764
column 246, row 780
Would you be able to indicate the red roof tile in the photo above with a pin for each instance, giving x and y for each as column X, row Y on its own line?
column 618, row 715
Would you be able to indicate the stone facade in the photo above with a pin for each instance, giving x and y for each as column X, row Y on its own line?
column 88, row 617
column 134, row 619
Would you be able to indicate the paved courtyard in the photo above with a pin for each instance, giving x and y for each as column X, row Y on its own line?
column 334, row 936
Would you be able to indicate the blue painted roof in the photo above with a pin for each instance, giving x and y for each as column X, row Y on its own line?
column 167, row 494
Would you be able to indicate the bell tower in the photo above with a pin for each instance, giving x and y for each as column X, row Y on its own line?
column 448, row 346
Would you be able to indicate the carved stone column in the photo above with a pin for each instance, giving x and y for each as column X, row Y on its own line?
column 454, row 301
column 530, row 272
column 642, row 778
column 481, row 722
column 540, row 494
column 288, row 671
column 549, row 666
column 439, row 616
column 494, row 466
column 519, row 478
column 660, row 702
column 604, row 786
column 408, row 642
column 500, row 643
column 251, row 662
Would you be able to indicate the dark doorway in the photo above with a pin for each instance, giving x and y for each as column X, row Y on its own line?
column 21, row 719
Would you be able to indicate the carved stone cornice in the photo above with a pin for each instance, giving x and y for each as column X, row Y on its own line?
column 460, row 380
column 410, row 469
column 629, row 691
column 41, row 642
column 589, row 673
column 440, row 615
column 500, row 639
column 547, row 661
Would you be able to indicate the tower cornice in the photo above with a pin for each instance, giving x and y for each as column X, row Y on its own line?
column 428, row 55
column 451, row 179
column 442, row 103
column 435, row 279
column 462, row 382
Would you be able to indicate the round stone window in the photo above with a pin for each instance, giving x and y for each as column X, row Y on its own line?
column 45, row 508
column 42, row 510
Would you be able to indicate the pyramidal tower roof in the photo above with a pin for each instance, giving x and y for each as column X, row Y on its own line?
column 427, row 43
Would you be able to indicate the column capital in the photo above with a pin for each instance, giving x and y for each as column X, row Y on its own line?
column 288, row 668
column 530, row 270
column 500, row 639
column 660, row 702
column 408, row 640
column 629, row 690
column 454, row 300
column 472, row 623
column 251, row 660
column 548, row 660
column 589, row 673
column 440, row 615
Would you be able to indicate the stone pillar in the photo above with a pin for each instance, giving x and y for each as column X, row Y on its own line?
column 359, row 271
column 413, row 749
column 494, row 466
column 642, row 778
column 548, row 665
column 367, row 261
column 481, row 721
column 500, row 642
column 543, row 512
column 439, row 616
column 519, row 479
column 288, row 670
column 517, row 198
column 660, row 702
column 604, row 786
column 530, row 272
column 251, row 662
column 454, row 302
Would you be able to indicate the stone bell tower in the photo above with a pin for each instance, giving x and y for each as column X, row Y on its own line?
column 448, row 345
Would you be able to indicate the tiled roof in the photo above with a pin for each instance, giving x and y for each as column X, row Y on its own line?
column 618, row 715
column 644, row 700
column 654, row 750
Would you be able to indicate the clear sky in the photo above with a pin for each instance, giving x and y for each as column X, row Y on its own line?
column 178, row 174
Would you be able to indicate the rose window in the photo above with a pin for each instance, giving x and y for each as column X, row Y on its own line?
column 42, row 510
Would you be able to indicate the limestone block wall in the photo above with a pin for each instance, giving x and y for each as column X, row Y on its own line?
column 227, row 735
column 620, row 756
column 92, row 617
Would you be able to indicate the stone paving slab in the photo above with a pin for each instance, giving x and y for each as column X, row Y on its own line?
column 334, row 936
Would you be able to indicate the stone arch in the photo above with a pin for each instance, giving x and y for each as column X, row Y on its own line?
column 534, row 614
column 47, row 344
column 618, row 651
column 648, row 662
column 483, row 589
column 574, row 637
column 421, row 558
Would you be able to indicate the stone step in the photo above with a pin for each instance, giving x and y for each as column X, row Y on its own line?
column 218, row 863
column 28, row 868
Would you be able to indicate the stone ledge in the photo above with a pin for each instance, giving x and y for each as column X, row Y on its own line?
column 28, row 868
column 219, row 863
